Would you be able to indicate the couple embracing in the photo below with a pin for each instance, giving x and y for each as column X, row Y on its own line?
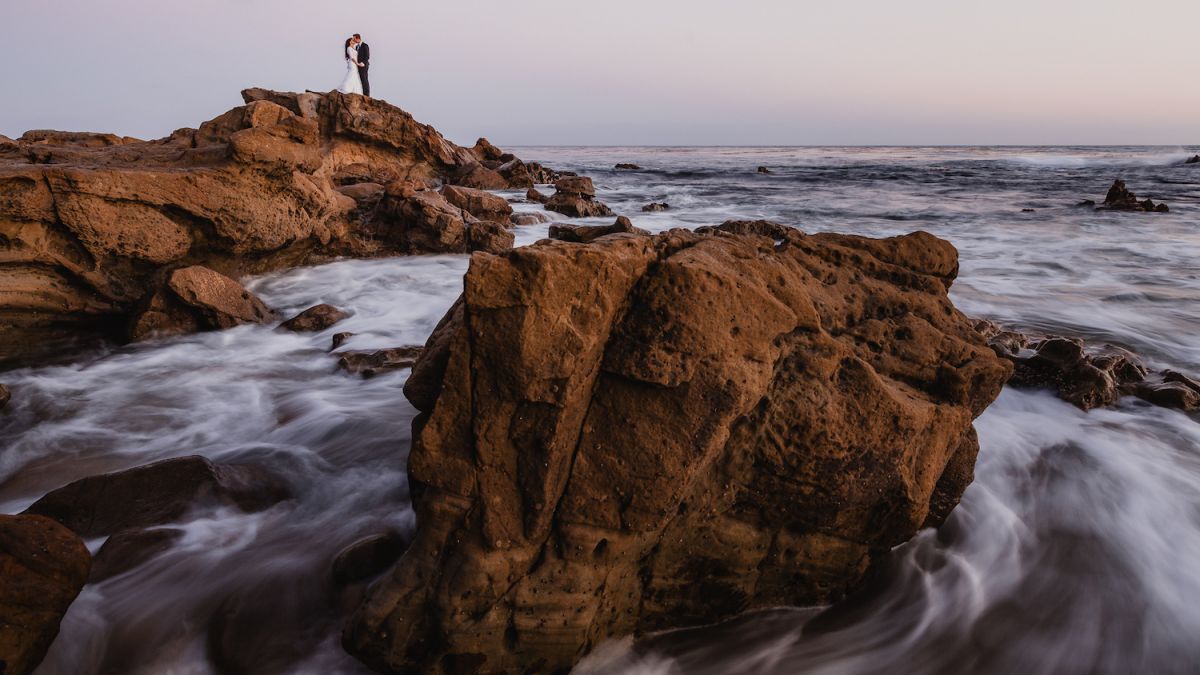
column 358, row 59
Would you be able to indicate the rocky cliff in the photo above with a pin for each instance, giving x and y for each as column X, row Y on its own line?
column 645, row 432
column 91, row 224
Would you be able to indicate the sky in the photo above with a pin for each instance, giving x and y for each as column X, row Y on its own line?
column 621, row 72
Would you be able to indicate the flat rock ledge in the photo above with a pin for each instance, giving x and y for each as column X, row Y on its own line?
column 649, row 432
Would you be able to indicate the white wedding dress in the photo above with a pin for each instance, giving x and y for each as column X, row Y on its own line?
column 351, row 84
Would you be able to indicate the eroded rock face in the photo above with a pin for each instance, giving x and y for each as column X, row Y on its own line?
column 43, row 566
column 587, row 233
column 196, row 298
column 479, row 203
column 650, row 432
column 90, row 222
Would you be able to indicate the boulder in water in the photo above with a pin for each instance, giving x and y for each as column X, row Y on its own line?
column 128, row 549
column 197, row 298
column 588, row 233
column 763, row 169
column 627, row 166
column 656, row 206
column 315, row 318
column 367, row 558
column 5, row 396
column 575, row 196
column 534, row 195
column 339, row 339
column 529, row 219
column 370, row 364
column 1119, row 198
column 43, row 566
column 1195, row 159
column 642, row 433
column 156, row 494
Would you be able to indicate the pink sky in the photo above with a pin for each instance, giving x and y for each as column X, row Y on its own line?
column 623, row 72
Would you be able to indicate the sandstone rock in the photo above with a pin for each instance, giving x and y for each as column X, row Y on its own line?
column 626, row 166
column 1169, row 389
column 420, row 222
column 762, row 228
column 656, row 206
column 92, row 222
column 1119, row 198
column 370, row 364
column 339, row 339
column 367, row 558
column 128, row 549
column 529, row 219
column 315, row 318
column 480, row 177
column 363, row 193
column 483, row 205
column 534, row 196
column 575, row 196
column 197, row 298
column 43, row 566
column 588, row 233
column 643, row 433
column 489, row 236
column 156, row 494
column 5, row 396
column 763, row 169
column 484, row 151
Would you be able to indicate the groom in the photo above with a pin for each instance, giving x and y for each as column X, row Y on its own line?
column 364, row 57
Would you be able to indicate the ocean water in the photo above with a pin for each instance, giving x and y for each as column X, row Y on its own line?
column 1077, row 549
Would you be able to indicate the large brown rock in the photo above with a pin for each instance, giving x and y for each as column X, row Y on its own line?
column 426, row 222
column 155, row 494
column 315, row 318
column 43, row 566
column 89, row 223
column 643, row 433
column 588, row 233
column 197, row 298
column 479, row 203
column 1119, row 198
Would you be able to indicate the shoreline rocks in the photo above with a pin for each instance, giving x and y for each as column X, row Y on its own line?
column 370, row 364
column 627, row 166
column 315, row 318
column 588, row 233
column 649, row 432
column 43, row 566
column 575, row 196
column 92, row 222
column 655, row 207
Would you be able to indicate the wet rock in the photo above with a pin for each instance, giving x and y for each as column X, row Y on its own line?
column 5, row 396
column 315, row 318
column 489, row 236
column 627, row 167
column 529, row 219
column 762, row 228
column 483, row 205
column 763, row 169
column 656, row 206
column 272, row 625
column 1086, row 203
column 588, row 233
column 480, row 177
column 370, row 364
column 367, row 558
column 420, row 222
column 575, row 196
column 1195, row 159
column 128, row 549
column 339, row 339
column 1169, row 389
column 643, row 433
column 534, row 195
column 197, row 298
column 156, row 494
column 1028, row 210
column 1119, row 198
column 43, row 566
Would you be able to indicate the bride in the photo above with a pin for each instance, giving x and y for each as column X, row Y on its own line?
column 351, row 84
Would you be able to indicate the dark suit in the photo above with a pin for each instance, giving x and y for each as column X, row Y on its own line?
column 364, row 57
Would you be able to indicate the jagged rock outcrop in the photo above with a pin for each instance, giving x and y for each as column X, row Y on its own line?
column 424, row 221
column 1194, row 159
column 43, row 566
column 89, row 223
column 1119, row 198
column 1087, row 376
column 575, row 196
column 646, row 432
column 479, row 203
